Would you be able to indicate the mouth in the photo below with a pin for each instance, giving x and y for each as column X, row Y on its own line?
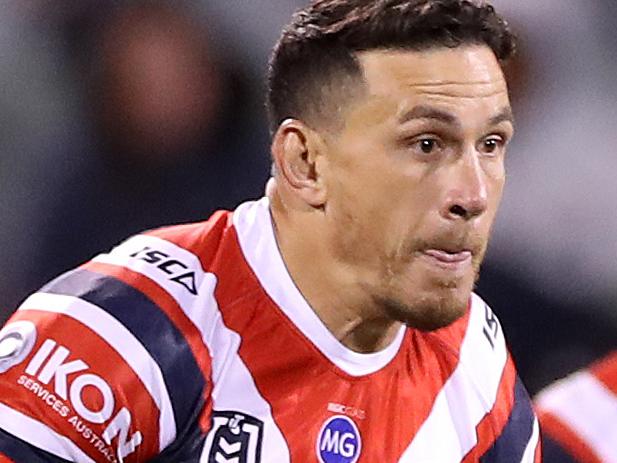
column 449, row 259
column 449, row 256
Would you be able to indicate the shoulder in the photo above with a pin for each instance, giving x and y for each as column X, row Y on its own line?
column 476, row 340
column 476, row 345
column 202, row 239
column 579, row 413
column 489, row 396
column 109, row 359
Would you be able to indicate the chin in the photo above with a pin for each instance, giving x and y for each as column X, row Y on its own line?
column 430, row 310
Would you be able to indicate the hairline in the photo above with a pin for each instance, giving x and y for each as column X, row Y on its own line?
column 361, row 82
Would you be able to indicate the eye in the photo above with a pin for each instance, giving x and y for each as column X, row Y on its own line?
column 426, row 145
column 492, row 144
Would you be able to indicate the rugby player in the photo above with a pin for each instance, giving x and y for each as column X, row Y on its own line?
column 331, row 321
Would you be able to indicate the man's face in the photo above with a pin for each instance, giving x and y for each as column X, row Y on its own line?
column 415, row 178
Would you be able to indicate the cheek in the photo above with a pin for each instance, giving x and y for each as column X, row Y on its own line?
column 375, row 204
column 346, row 215
column 356, row 242
column 496, row 186
column 359, row 193
column 367, row 225
column 495, row 171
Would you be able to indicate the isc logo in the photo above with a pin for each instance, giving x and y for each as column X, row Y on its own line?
column 339, row 441
column 178, row 272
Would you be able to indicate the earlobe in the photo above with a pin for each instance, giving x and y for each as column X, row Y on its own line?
column 297, row 155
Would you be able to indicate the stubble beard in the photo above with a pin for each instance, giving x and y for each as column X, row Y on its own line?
column 425, row 313
column 429, row 310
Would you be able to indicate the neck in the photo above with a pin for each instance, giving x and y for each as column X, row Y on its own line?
column 331, row 288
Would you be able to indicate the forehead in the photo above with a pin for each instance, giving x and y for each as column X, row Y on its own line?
column 458, row 79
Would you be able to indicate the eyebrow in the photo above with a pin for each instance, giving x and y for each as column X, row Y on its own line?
column 505, row 115
column 429, row 112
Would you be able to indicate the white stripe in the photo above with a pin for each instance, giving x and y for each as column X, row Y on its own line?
column 39, row 435
column 192, row 305
column 121, row 256
column 253, row 225
column 120, row 339
column 234, row 387
column 530, row 450
column 587, row 407
column 466, row 397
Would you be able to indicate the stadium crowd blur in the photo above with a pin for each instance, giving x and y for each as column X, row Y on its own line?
column 119, row 116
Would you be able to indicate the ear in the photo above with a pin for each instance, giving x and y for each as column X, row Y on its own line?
column 298, row 153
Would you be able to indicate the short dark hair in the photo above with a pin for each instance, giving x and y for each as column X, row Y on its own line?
column 314, row 62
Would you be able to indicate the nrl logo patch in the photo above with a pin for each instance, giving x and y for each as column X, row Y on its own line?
column 234, row 438
column 16, row 342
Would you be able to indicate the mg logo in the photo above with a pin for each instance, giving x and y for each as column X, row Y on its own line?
column 339, row 441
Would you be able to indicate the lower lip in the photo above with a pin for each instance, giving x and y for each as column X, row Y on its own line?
column 447, row 261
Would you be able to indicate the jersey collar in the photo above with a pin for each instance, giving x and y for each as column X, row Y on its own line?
column 253, row 224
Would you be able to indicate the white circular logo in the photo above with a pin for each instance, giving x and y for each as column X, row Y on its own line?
column 16, row 341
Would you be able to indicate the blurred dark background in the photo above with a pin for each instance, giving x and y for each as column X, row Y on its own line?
column 119, row 116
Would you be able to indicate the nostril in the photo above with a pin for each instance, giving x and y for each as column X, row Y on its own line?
column 458, row 210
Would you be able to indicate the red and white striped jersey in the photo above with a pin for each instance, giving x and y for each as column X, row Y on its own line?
column 579, row 415
column 192, row 344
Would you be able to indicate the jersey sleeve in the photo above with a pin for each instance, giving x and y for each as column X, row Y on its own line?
column 104, row 363
column 516, row 433
column 508, row 429
column 578, row 415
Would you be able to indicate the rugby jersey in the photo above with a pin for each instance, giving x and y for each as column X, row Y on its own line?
column 192, row 344
column 579, row 415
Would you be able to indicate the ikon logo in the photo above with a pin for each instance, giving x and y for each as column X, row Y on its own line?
column 50, row 362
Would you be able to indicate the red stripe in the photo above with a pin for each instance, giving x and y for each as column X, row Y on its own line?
column 5, row 459
column 567, row 438
column 20, row 391
column 606, row 371
column 493, row 423
column 174, row 312
column 537, row 458
column 200, row 238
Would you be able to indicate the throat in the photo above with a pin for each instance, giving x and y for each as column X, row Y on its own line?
column 369, row 336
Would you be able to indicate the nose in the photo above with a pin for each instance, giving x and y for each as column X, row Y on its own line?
column 467, row 195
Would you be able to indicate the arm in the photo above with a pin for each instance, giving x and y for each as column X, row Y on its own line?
column 519, row 436
column 508, row 430
column 579, row 415
column 73, row 389
column 99, row 366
